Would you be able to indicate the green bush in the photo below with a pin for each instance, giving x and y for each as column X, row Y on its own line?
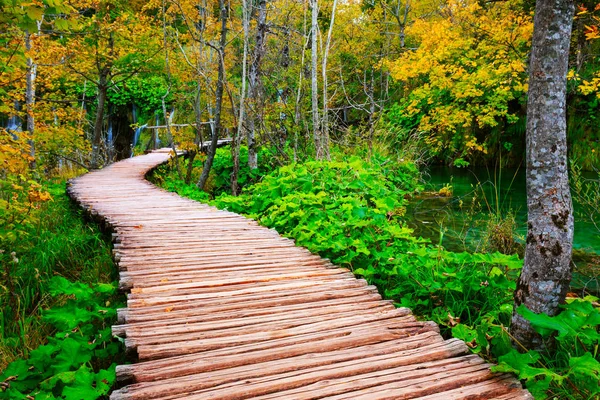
column 55, row 338
column 76, row 363
column 219, row 181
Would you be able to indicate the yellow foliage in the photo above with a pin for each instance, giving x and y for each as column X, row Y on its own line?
column 468, row 64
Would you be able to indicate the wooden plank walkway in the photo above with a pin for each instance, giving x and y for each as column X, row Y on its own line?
column 221, row 308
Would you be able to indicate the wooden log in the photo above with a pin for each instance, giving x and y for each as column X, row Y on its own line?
column 332, row 347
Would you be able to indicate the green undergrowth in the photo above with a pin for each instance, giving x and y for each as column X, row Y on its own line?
column 352, row 212
column 219, row 181
column 58, row 300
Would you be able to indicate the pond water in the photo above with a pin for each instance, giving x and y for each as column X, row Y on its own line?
column 460, row 222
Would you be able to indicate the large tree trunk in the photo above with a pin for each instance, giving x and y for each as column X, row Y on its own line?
column 97, row 139
column 314, row 84
column 219, row 99
column 547, row 269
column 255, row 82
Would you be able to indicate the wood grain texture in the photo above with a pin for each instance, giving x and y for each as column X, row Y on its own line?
column 221, row 308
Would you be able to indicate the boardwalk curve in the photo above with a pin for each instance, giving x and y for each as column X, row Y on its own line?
column 221, row 308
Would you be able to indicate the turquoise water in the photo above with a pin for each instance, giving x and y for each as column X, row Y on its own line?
column 430, row 215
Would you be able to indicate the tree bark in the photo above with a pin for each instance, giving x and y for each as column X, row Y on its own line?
column 198, row 137
column 97, row 139
column 314, row 84
column 325, row 131
column 166, row 115
column 371, row 97
column 297, row 107
column 219, row 99
column 30, row 98
column 546, row 273
column 254, row 80
column 235, row 145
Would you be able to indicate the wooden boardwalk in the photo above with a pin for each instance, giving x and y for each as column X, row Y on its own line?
column 221, row 308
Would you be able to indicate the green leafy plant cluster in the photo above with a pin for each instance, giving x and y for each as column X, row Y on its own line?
column 54, row 241
column 57, row 304
column 572, row 368
column 223, row 166
column 73, row 364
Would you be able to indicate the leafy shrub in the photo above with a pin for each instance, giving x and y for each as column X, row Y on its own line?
column 219, row 181
column 572, row 369
column 54, row 241
column 55, row 338
column 73, row 365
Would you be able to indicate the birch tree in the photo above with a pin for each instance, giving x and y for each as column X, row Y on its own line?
column 235, row 146
column 314, row 30
column 254, row 80
column 546, row 274
column 30, row 92
column 325, row 130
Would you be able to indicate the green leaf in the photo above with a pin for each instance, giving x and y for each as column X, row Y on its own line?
column 34, row 12
column 72, row 353
column 61, row 24
column 585, row 365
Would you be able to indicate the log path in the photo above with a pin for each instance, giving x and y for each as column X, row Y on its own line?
column 221, row 308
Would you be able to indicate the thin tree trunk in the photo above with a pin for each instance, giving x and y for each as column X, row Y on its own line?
column 255, row 82
column 97, row 139
column 30, row 98
column 325, row 131
column 546, row 274
column 371, row 96
column 155, row 134
column 235, row 145
column 300, row 79
column 164, row 106
column 198, row 137
column 314, row 84
column 403, row 24
column 219, row 99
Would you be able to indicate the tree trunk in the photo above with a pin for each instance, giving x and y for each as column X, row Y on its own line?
column 97, row 139
column 371, row 96
column 235, row 145
column 403, row 24
column 30, row 98
column 198, row 137
column 297, row 114
column 325, row 131
column 255, row 82
column 547, row 268
column 314, row 84
column 166, row 115
column 219, row 99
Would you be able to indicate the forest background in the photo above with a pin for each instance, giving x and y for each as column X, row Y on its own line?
column 401, row 84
